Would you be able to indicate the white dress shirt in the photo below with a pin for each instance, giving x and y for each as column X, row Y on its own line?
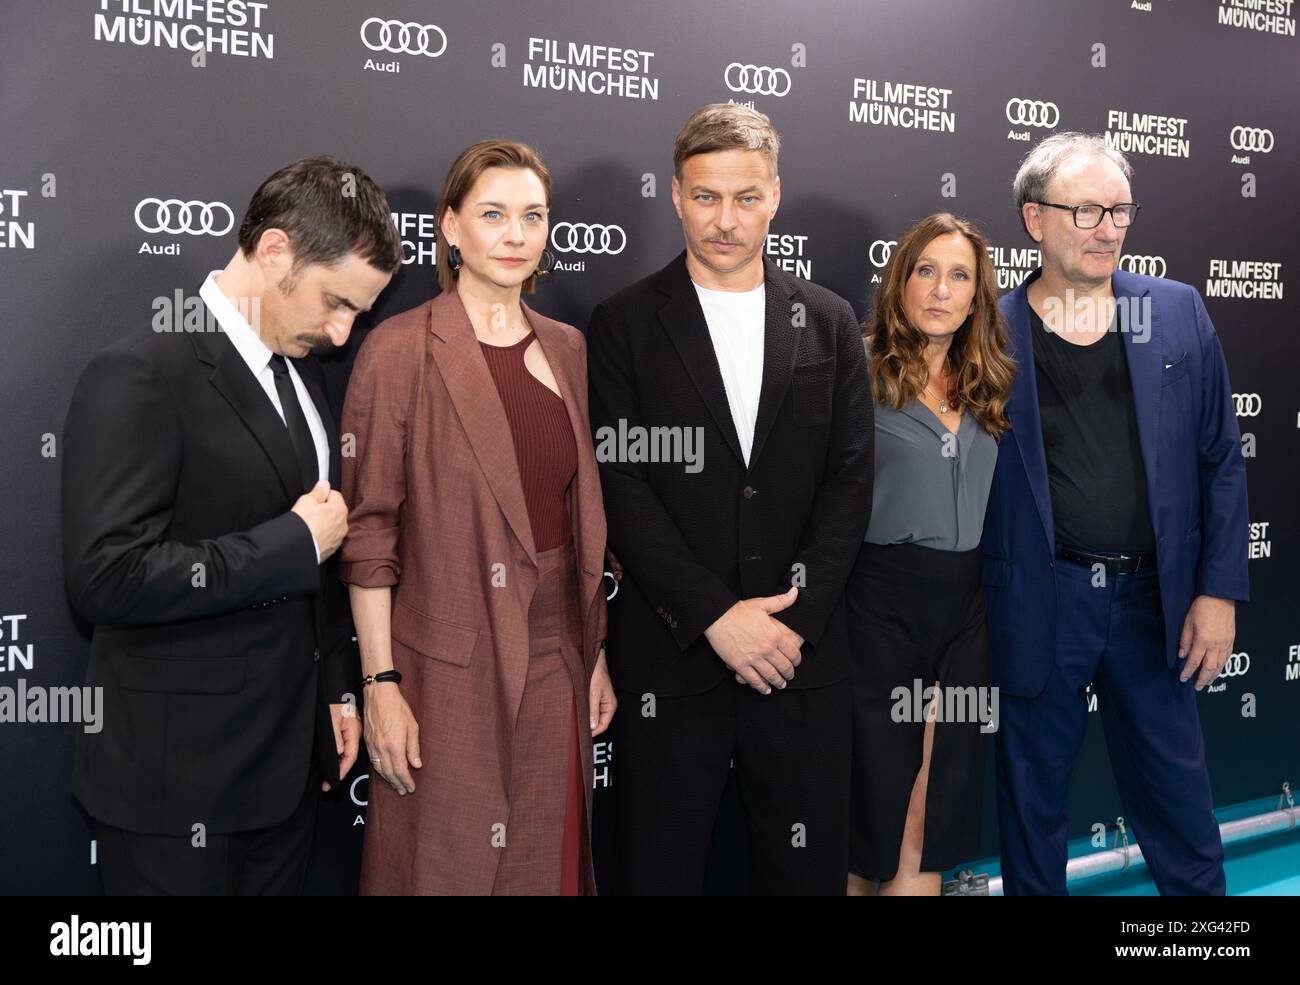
column 257, row 355
column 736, row 326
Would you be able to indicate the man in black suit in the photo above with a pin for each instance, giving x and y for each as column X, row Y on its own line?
column 199, row 519
column 734, row 563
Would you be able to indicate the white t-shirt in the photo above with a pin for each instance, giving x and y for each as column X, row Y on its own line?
column 736, row 320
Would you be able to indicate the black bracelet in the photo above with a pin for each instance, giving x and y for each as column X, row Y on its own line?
column 384, row 675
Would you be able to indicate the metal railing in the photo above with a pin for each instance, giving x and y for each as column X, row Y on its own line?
column 1124, row 855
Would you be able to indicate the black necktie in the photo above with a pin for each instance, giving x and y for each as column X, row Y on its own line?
column 299, row 433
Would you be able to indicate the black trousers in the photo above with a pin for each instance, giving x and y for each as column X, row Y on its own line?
column 792, row 759
column 264, row 862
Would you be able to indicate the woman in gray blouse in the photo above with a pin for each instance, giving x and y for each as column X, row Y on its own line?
column 940, row 379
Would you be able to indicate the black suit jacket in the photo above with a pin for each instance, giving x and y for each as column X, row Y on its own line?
column 218, row 639
column 693, row 544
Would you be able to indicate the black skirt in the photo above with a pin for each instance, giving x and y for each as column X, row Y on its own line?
column 916, row 617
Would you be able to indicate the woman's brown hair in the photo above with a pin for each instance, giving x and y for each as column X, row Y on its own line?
column 977, row 357
column 468, row 167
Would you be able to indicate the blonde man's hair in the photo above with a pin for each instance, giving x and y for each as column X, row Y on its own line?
column 725, row 126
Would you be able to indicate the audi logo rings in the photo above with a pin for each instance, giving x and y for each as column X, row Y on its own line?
column 880, row 251
column 760, row 80
column 1032, row 113
column 1135, row 263
column 584, row 237
column 171, row 215
column 1251, row 139
column 402, row 37
column 1236, row 665
column 1247, row 404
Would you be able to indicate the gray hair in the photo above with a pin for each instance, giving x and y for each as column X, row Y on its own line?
column 1046, row 157
column 724, row 126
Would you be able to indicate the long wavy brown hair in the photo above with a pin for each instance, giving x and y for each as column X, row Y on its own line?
column 977, row 358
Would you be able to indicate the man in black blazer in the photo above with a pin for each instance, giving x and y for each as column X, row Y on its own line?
column 199, row 518
column 728, row 636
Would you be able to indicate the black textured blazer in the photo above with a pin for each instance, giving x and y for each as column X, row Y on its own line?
column 695, row 539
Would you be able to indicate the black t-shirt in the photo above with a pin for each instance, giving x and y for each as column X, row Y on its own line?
column 1090, row 436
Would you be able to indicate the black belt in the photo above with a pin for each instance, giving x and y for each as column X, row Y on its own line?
column 1115, row 564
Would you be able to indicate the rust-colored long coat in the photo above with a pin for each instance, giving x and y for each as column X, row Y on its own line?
column 438, row 512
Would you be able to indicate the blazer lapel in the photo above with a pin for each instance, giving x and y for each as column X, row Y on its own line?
column 683, row 320
column 473, row 393
column 780, row 344
column 1145, row 368
column 231, row 377
column 1022, row 408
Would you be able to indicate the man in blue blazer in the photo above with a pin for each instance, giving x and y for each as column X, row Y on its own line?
column 1115, row 537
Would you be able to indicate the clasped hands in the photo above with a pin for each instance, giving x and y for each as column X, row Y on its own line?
column 762, row 651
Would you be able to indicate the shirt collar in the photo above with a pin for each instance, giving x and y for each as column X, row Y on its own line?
column 923, row 415
column 250, row 346
column 709, row 292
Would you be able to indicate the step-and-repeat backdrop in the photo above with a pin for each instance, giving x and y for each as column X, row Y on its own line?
column 114, row 112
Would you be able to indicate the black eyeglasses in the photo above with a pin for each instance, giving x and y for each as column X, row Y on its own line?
column 1090, row 216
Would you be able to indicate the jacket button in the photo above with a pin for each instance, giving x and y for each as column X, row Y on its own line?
column 749, row 492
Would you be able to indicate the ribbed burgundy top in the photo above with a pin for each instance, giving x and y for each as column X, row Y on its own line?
column 543, row 437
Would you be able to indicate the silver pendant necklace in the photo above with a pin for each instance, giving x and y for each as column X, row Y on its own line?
column 943, row 403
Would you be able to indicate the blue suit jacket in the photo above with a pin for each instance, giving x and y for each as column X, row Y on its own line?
column 1196, row 480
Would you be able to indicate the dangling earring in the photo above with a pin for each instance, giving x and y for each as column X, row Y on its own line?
column 546, row 266
column 454, row 257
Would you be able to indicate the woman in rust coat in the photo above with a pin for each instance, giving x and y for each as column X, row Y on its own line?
column 474, row 562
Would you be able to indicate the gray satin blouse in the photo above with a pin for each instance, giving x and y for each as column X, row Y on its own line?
column 930, row 487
